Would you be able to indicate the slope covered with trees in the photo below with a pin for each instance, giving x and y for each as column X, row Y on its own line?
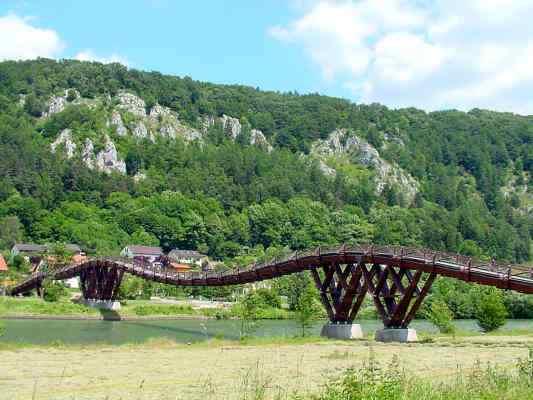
column 236, row 201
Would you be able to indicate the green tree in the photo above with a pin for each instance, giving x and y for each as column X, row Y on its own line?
column 247, row 311
column 490, row 309
column 11, row 232
column 53, row 290
column 441, row 316
column 307, row 309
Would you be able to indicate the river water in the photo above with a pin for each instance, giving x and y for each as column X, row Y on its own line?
column 120, row 332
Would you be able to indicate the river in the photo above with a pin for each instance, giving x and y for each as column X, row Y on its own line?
column 183, row 331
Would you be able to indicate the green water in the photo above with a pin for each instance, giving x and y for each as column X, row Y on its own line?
column 91, row 332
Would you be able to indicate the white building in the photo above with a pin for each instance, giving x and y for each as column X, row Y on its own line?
column 147, row 253
column 190, row 257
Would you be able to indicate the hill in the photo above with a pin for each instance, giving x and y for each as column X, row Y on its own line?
column 102, row 155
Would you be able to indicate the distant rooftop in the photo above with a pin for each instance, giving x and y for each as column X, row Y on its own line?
column 181, row 254
column 31, row 248
column 3, row 264
column 41, row 248
column 138, row 249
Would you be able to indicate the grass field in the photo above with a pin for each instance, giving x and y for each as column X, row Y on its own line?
column 259, row 369
column 36, row 307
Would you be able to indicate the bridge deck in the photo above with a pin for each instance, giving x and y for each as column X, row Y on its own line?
column 504, row 276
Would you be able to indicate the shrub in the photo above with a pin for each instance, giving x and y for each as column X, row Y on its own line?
column 53, row 291
column 440, row 315
column 490, row 310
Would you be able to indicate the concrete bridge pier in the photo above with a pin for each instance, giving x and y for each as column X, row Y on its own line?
column 399, row 335
column 342, row 331
column 111, row 305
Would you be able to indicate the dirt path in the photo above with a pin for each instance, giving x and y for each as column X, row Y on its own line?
column 217, row 371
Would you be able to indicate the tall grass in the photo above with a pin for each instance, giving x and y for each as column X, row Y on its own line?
column 374, row 381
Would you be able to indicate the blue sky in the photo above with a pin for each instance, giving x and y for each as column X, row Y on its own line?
column 429, row 54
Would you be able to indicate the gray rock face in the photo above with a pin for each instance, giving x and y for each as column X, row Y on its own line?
column 207, row 122
column 257, row 138
column 342, row 142
column 131, row 103
column 107, row 160
column 158, row 112
column 232, row 126
column 56, row 104
column 116, row 120
column 139, row 130
column 65, row 138
column 87, row 153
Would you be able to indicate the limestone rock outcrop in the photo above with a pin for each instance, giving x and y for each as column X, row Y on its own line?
column 107, row 160
column 65, row 138
column 139, row 130
column 343, row 142
column 232, row 126
column 131, row 103
column 55, row 105
column 116, row 120
column 87, row 153
column 257, row 138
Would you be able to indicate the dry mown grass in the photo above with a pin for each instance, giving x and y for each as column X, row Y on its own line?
column 163, row 370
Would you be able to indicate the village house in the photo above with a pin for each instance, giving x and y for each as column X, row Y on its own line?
column 146, row 253
column 188, row 257
column 29, row 249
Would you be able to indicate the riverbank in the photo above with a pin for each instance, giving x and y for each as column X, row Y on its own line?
column 131, row 310
column 217, row 369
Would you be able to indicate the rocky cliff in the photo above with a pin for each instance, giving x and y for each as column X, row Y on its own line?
column 343, row 142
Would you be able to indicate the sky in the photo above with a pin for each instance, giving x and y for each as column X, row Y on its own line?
column 433, row 55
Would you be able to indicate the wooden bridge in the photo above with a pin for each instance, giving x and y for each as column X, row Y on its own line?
column 397, row 278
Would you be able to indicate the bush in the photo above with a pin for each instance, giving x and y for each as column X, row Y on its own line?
column 53, row 291
column 490, row 310
column 269, row 297
column 440, row 315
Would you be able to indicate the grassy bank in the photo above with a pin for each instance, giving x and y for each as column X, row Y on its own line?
column 64, row 308
column 271, row 368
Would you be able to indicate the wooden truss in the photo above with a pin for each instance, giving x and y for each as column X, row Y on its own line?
column 100, row 282
column 397, row 292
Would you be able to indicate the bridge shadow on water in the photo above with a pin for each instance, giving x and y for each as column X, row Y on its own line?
column 185, row 331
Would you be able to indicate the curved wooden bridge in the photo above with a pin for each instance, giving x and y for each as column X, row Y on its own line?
column 397, row 278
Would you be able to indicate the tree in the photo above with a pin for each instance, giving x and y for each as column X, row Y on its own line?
column 11, row 232
column 307, row 309
column 490, row 309
column 247, row 311
column 34, row 106
column 53, row 291
column 441, row 316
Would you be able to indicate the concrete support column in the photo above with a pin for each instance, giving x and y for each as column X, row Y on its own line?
column 342, row 331
column 401, row 335
column 102, row 304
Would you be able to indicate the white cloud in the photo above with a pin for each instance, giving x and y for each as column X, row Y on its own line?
column 440, row 54
column 89, row 55
column 22, row 41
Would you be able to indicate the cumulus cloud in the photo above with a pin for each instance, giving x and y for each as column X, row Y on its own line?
column 89, row 55
column 440, row 54
column 22, row 41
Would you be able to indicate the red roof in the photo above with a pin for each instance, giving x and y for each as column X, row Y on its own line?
column 180, row 267
column 3, row 265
